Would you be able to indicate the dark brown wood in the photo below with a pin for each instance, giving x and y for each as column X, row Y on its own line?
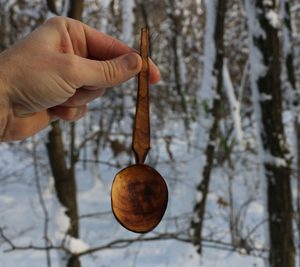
column 141, row 130
column 64, row 177
column 76, row 9
column 139, row 194
column 278, row 176
column 52, row 6
column 139, row 198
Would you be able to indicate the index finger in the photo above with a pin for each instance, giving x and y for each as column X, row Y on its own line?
column 104, row 47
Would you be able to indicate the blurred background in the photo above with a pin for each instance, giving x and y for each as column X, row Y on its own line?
column 225, row 134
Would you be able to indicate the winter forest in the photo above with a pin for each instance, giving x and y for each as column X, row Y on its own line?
column 225, row 135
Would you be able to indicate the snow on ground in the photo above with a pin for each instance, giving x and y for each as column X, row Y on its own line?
column 22, row 217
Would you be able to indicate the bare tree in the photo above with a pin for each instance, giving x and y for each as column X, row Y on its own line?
column 266, row 89
column 292, row 92
column 215, row 14
column 65, row 175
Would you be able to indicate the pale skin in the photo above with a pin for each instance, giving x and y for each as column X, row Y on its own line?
column 55, row 71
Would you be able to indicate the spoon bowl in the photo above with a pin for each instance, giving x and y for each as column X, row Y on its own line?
column 139, row 198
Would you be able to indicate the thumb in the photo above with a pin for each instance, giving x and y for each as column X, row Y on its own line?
column 108, row 73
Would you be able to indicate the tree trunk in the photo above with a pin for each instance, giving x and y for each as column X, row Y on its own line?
column 266, row 86
column 64, row 176
column 288, row 49
column 76, row 9
column 52, row 6
column 218, row 11
column 64, row 181
column 294, row 103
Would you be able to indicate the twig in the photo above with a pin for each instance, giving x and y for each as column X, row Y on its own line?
column 42, row 202
column 27, row 247
column 123, row 243
column 95, row 214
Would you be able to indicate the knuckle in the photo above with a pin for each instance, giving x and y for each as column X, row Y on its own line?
column 70, row 69
column 70, row 62
column 110, row 72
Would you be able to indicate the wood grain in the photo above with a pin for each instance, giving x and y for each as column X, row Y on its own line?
column 139, row 194
column 141, row 129
column 139, row 198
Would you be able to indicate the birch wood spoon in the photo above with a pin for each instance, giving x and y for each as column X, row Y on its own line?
column 139, row 194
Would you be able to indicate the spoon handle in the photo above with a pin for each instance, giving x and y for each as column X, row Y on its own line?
column 141, row 130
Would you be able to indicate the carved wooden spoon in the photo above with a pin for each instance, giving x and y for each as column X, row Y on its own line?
column 139, row 194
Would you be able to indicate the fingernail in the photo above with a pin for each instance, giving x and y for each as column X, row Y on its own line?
column 131, row 61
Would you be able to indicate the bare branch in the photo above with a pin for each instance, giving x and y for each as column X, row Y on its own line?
column 42, row 202
column 13, row 247
column 123, row 243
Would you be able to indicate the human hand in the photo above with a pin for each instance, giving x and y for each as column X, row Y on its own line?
column 55, row 71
